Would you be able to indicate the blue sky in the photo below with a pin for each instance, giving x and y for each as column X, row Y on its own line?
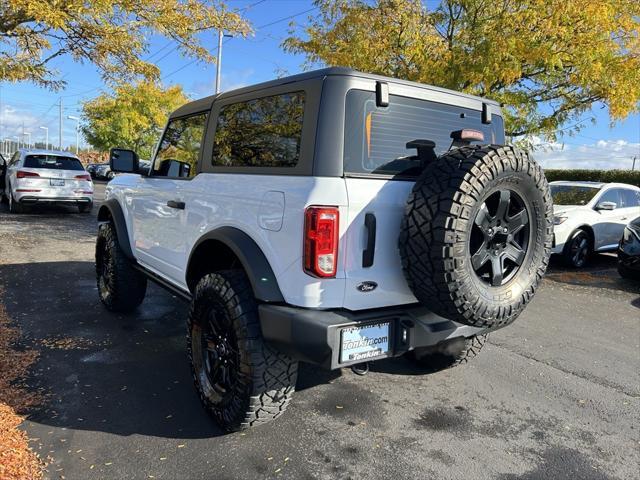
column 259, row 58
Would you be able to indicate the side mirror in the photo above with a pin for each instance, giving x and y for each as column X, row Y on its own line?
column 606, row 206
column 123, row 161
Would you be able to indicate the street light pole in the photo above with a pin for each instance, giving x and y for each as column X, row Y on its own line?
column 71, row 117
column 46, row 142
column 221, row 35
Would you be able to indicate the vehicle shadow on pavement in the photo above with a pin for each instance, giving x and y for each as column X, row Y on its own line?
column 121, row 374
column 600, row 272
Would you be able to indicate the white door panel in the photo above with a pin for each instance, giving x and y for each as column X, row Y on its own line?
column 237, row 200
column 157, row 228
column 386, row 199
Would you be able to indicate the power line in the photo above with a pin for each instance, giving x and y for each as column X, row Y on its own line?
column 289, row 17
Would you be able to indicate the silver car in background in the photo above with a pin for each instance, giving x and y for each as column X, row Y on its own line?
column 45, row 176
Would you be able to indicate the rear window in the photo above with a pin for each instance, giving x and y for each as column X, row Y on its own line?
column 376, row 137
column 264, row 132
column 54, row 162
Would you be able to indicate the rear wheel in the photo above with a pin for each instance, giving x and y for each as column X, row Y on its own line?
column 121, row 287
column 241, row 380
column 476, row 236
column 14, row 207
column 448, row 354
column 85, row 207
column 578, row 249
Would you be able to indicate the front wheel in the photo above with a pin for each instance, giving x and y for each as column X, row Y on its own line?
column 578, row 249
column 121, row 287
column 241, row 380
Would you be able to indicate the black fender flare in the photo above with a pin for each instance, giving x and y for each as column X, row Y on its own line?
column 112, row 211
column 255, row 264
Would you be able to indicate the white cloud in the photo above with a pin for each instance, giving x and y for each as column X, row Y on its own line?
column 602, row 154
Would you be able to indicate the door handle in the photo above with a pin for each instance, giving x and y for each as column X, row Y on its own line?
column 176, row 204
column 367, row 254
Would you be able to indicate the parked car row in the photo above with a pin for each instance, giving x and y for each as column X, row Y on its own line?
column 589, row 217
column 102, row 171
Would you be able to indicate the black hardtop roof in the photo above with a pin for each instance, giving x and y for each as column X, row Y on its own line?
column 206, row 102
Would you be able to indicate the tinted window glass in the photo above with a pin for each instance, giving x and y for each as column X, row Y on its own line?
column 572, row 194
column 265, row 132
column 376, row 138
column 180, row 147
column 611, row 196
column 54, row 162
column 630, row 198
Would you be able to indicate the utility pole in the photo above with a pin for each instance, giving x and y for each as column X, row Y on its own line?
column 22, row 138
column 633, row 167
column 60, row 126
column 219, row 61
column 221, row 35
column 71, row 117
column 46, row 142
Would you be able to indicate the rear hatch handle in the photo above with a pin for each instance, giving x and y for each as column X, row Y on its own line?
column 368, row 253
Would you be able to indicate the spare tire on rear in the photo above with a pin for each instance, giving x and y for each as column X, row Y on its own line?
column 476, row 235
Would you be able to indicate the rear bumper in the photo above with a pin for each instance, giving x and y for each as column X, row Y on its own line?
column 314, row 336
column 31, row 199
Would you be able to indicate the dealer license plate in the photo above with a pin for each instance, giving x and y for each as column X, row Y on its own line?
column 364, row 342
column 56, row 182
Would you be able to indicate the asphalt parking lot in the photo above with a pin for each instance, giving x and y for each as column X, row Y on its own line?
column 554, row 396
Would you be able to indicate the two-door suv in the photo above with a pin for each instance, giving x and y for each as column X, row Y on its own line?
column 332, row 217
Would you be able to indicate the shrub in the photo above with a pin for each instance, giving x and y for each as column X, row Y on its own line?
column 608, row 176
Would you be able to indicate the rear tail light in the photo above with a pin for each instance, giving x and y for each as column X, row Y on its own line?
column 86, row 177
column 23, row 174
column 321, row 225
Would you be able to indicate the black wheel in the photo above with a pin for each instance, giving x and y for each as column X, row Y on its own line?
column 120, row 286
column 85, row 207
column 241, row 381
column 628, row 273
column 14, row 207
column 448, row 354
column 578, row 249
column 477, row 233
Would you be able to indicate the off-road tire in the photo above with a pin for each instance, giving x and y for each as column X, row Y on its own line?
column 263, row 378
column 438, row 226
column 626, row 272
column 85, row 207
column 121, row 287
column 448, row 354
column 578, row 240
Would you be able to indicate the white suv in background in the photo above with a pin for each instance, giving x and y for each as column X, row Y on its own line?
column 590, row 217
column 44, row 176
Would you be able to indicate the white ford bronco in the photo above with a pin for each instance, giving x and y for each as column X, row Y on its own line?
column 332, row 217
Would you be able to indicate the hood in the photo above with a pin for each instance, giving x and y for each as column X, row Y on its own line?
column 565, row 209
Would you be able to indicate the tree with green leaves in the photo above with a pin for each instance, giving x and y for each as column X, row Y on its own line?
column 111, row 34
column 548, row 61
column 131, row 117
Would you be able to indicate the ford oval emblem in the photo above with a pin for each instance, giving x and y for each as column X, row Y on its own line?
column 367, row 286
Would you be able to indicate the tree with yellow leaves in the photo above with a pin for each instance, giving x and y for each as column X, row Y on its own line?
column 131, row 117
column 112, row 34
column 548, row 61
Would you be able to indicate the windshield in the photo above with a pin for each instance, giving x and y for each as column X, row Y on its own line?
column 375, row 138
column 572, row 194
column 54, row 162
